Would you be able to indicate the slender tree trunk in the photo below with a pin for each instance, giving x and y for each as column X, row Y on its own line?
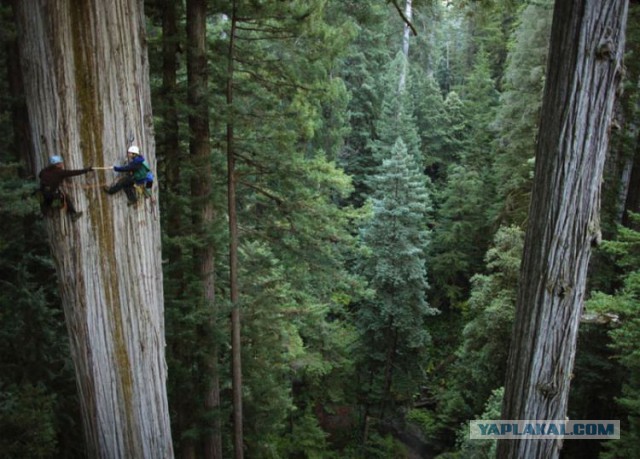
column 169, row 149
column 367, row 407
column 238, row 442
column 202, row 186
column 632, row 201
column 623, row 188
column 587, row 44
column 629, row 147
column 388, row 369
column 86, row 81
column 406, row 33
column 169, row 138
column 21, row 144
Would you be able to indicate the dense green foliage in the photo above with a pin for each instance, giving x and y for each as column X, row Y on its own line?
column 622, row 307
column 38, row 407
column 392, row 324
column 381, row 229
column 517, row 116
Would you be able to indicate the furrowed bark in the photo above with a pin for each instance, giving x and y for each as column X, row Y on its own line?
column 587, row 44
column 86, row 81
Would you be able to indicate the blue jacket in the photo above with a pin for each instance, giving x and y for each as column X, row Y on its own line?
column 139, row 168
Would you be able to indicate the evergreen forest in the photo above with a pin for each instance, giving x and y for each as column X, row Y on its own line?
column 344, row 195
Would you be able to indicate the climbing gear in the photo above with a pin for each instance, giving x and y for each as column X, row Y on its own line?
column 143, row 190
column 137, row 184
column 50, row 200
column 55, row 160
column 143, row 173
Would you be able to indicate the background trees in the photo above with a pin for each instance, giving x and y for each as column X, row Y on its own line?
column 392, row 324
column 317, row 112
column 625, row 250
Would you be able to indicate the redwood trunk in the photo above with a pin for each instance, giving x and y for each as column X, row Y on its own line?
column 587, row 43
column 86, row 81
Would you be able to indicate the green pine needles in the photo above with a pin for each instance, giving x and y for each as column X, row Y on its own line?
column 393, row 322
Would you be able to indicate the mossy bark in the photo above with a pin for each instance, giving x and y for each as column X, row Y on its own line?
column 86, row 80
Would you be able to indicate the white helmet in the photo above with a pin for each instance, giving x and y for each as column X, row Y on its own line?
column 133, row 149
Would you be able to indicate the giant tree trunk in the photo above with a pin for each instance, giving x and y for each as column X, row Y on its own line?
column 587, row 42
column 86, row 82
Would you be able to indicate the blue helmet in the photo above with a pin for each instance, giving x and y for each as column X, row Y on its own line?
column 55, row 160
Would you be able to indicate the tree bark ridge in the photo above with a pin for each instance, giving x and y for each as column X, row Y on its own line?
column 587, row 43
column 86, row 80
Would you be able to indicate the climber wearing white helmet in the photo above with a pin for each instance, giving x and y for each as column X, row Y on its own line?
column 137, row 173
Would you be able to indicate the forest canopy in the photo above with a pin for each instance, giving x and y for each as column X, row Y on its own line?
column 341, row 192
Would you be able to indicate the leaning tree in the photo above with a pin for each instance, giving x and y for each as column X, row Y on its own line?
column 583, row 73
column 86, row 80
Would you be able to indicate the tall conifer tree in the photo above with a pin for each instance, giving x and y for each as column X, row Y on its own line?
column 431, row 123
column 396, row 114
column 393, row 323
column 463, row 230
column 360, row 72
column 291, row 233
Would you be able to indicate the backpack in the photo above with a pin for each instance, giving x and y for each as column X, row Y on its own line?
column 143, row 174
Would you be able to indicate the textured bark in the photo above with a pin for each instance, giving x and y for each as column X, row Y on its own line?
column 86, row 81
column 587, row 44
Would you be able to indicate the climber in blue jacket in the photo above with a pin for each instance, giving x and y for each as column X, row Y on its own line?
column 138, row 173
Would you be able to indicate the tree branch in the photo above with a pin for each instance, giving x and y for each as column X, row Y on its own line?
column 404, row 18
column 264, row 192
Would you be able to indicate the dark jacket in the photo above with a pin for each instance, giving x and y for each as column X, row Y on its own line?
column 52, row 176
